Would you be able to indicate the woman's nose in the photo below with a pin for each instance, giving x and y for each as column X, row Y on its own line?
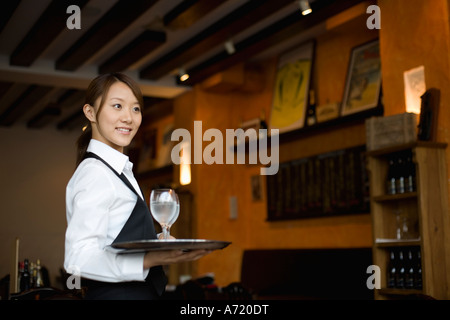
column 126, row 115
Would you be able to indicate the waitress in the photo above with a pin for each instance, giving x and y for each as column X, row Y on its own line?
column 104, row 203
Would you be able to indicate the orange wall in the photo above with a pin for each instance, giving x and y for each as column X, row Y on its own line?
column 415, row 33
column 406, row 42
column 215, row 184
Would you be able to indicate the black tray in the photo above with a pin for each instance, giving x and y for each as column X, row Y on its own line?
column 159, row 245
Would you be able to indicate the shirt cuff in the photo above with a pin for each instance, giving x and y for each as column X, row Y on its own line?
column 133, row 267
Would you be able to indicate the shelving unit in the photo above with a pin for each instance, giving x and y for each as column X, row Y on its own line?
column 427, row 206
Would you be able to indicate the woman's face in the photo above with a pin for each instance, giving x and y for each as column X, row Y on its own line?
column 119, row 119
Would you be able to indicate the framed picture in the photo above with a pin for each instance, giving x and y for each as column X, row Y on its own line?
column 291, row 90
column 363, row 83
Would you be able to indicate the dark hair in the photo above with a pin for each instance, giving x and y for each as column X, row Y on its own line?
column 98, row 88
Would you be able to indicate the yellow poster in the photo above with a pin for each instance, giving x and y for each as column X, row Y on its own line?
column 291, row 89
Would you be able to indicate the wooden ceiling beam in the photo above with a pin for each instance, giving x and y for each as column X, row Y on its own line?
column 189, row 12
column 4, row 87
column 43, row 32
column 117, row 19
column 240, row 19
column 148, row 41
column 47, row 115
column 22, row 104
column 7, row 9
column 72, row 121
column 274, row 34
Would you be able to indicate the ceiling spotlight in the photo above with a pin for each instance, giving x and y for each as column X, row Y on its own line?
column 182, row 74
column 304, row 6
column 229, row 47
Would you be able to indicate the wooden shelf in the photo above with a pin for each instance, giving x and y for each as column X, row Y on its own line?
column 388, row 243
column 329, row 125
column 395, row 197
column 427, row 208
column 390, row 150
column 401, row 292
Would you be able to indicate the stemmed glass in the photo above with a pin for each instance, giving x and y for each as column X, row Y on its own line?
column 163, row 205
column 175, row 216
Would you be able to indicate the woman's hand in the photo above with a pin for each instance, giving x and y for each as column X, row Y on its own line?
column 156, row 258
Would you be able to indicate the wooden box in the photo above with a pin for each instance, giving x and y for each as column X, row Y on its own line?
column 384, row 132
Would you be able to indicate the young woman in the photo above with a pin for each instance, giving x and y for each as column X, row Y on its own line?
column 104, row 203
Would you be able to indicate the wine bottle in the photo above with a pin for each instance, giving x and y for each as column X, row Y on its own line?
column 26, row 277
column 20, row 275
column 400, row 275
column 400, row 179
column 39, row 277
column 391, row 178
column 410, row 183
column 410, row 271
column 392, row 271
column 311, row 118
column 262, row 120
column 418, row 274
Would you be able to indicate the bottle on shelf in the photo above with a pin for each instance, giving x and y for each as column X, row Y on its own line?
column 410, row 182
column 20, row 275
column 400, row 179
column 39, row 283
column 392, row 176
column 410, row 270
column 262, row 120
column 400, row 277
column 32, row 275
column 26, row 277
column 418, row 274
column 391, row 270
column 311, row 118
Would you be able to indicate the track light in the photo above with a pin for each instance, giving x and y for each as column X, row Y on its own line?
column 182, row 74
column 305, row 7
column 229, row 47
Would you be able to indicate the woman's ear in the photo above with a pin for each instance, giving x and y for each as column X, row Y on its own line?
column 89, row 112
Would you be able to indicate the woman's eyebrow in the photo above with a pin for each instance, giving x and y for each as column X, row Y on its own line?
column 116, row 98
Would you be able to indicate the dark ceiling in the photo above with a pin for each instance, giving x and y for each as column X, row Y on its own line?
column 45, row 66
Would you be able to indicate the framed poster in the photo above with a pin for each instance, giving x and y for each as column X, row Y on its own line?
column 363, row 83
column 291, row 90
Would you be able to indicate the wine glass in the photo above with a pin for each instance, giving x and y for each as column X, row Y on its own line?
column 163, row 205
column 175, row 216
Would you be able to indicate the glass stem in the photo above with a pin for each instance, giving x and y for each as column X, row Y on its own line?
column 166, row 232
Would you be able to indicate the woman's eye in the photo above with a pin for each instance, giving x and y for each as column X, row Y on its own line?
column 117, row 106
column 137, row 109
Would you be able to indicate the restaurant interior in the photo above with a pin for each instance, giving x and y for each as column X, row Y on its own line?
column 324, row 98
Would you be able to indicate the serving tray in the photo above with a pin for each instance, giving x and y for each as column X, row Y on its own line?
column 171, row 244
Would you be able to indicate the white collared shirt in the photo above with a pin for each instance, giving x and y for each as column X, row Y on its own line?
column 98, row 204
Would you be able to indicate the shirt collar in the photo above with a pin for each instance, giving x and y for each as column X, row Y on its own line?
column 117, row 160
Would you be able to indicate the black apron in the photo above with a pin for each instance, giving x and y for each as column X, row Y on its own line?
column 139, row 226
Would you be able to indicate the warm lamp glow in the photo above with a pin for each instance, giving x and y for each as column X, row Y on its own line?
column 185, row 164
column 185, row 174
column 182, row 74
column 304, row 6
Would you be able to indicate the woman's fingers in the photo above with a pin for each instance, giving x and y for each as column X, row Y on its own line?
column 154, row 258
